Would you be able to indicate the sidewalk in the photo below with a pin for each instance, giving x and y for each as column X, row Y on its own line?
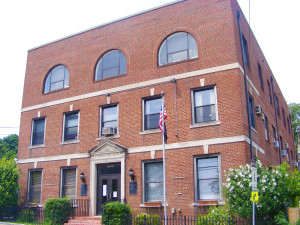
column 11, row 223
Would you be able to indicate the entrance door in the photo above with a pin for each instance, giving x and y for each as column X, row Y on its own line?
column 108, row 184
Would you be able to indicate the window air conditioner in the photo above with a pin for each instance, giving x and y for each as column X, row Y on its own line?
column 294, row 162
column 106, row 131
column 276, row 144
column 263, row 116
column 258, row 110
column 286, row 145
column 283, row 153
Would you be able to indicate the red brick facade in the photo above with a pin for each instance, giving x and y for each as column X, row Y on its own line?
column 214, row 26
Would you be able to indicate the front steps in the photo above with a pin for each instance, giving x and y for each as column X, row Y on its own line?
column 84, row 220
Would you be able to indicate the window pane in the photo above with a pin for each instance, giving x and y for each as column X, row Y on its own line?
column 71, row 133
column 35, row 186
column 154, row 181
column 123, row 63
column 153, row 106
column 208, row 172
column 110, row 72
column 57, row 86
column 152, row 121
column 72, row 120
column 38, row 138
column 47, row 85
column 58, row 74
column 69, row 183
column 205, row 114
column 39, row 125
column 177, row 42
column 205, row 97
column 193, row 49
column 110, row 124
column 110, row 114
column 38, row 132
column 99, row 69
column 111, row 59
column 209, row 189
column 163, row 54
column 178, row 56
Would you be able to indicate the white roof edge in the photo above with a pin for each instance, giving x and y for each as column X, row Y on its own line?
column 105, row 24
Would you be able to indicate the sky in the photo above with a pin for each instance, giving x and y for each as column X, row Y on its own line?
column 28, row 24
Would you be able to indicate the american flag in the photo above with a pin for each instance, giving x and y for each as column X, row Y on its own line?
column 162, row 117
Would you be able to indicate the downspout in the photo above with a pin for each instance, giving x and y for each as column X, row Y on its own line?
column 246, row 87
column 276, row 118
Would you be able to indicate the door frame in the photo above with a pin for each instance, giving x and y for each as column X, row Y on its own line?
column 93, row 179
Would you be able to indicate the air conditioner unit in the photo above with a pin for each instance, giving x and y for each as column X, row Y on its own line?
column 283, row 153
column 263, row 116
column 258, row 110
column 276, row 144
column 294, row 162
column 286, row 145
column 106, row 131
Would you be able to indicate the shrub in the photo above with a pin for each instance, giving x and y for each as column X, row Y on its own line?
column 26, row 215
column 116, row 213
column 216, row 215
column 57, row 210
column 147, row 219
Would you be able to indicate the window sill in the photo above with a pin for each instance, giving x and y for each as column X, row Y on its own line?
column 207, row 203
column 108, row 137
column 254, row 130
column 37, row 146
column 35, row 205
column 205, row 124
column 153, row 131
column 152, row 205
column 70, row 142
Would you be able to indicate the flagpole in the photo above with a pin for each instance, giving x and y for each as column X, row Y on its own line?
column 164, row 156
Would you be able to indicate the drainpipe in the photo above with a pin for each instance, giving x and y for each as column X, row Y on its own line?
column 276, row 118
column 246, row 88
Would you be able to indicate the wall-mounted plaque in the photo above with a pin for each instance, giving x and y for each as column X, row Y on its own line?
column 132, row 188
column 83, row 190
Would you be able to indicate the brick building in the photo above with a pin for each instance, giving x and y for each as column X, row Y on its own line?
column 91, row 107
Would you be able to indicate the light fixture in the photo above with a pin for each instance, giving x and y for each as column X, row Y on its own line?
column 131, row 174
column 82, row 177
column 107, row 94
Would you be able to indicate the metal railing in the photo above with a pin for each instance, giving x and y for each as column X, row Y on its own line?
column 33, row 215
column 80, row 207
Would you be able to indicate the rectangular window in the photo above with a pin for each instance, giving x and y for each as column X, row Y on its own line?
column 153, row 182
column 71, row 126
column 151, row 111
column 260, row 77
column 35, row 186
column 252, row 115
column 274, row 133
column 283, row 117
column 204, row 105
column 266, row 128
column 68, row 183
column 281, row 143
column 287, row 155
column 269, row 89
column 109, row 119
column 38, row 131
column 246, row 51
column 208, row 178
column 276, row 105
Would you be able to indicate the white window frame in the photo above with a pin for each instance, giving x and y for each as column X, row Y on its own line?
column 61, row 179
column 144, row 100
column 193, row 105
column 64, row 124
column 101, row 118
column 143, row 176
column 32, row 126
column 220, row 199
column 29, row 184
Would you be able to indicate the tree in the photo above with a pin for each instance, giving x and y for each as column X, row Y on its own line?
column 9, row 146
column 295, row 110
column 9, row 175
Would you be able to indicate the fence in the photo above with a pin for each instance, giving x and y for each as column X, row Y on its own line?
column 22, row 214
column 80, row 207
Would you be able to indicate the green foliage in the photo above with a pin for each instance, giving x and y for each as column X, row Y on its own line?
column 57, row 210
column 277, row 187
column 295, row 110
column 281, row 220
column 216, row 215
column 9, row 175
column 9, row 146
column 147, row 219
column 116, row 213
column 25, row 215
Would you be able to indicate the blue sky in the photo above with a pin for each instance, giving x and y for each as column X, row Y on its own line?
column 30, row 23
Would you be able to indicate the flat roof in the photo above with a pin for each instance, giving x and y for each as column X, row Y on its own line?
column 105, row 24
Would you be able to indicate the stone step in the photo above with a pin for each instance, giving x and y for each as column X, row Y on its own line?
column 84, row 220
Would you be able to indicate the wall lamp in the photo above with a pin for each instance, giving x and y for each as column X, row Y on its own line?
column 131, row 174
column 82, row 177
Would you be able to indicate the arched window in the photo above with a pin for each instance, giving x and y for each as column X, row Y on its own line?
column 111, row 64
column 177, row 47
column 57, row 78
